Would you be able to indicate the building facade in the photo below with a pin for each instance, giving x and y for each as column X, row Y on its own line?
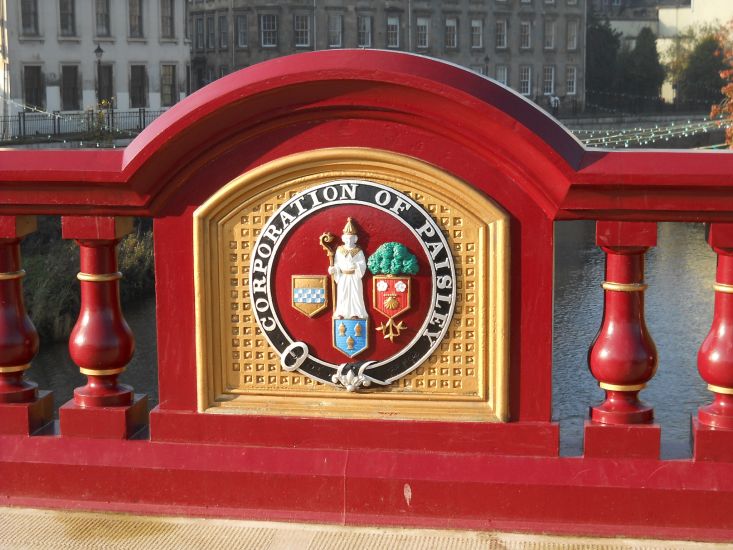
column 70, row 55
column 536, row 47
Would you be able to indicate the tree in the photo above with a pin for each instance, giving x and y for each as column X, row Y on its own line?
column 644, row 74
column 700, row 78
column 602, row 45
column 392, row 259
column 725, row 107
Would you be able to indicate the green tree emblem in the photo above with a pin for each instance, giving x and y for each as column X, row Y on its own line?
column 393, row 259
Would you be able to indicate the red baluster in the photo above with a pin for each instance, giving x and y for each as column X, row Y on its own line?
column 713, row 428
column 623, row 357
column 101, row 343
column 23, row 409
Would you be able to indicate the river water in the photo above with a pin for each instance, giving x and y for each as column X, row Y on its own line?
column 679, row 271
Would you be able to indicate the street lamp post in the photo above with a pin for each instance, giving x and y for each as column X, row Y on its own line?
column 98, row 52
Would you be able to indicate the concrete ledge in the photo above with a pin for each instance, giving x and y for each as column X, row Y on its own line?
column 29, row 528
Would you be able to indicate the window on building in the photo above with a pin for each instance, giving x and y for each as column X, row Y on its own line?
column 364, row 31
column 549, row 35
column 70, row 96
column 223, row 71
column 168, row 91
column 572, row 2
column 526, row 1
column 210, row 32
column 199, row 30
column 101, row 10
column 477, row 33
column 241, row 31
column 29, row 17
column 34, row 89
column 136, row 18
column 138, row 86
column 572, row 34
column 186, row 23
column 502, row 74
column 393, row 31
column 335, row 30
column 549, row 1
column 525, row 80
column 423, row 32
column 67, row 16
column 571, row 79
column 525, row 34
column 167, row 19
column 223, row 32
column 105, row 83
column 501, row 33
column 268, row 30
column 302, row 29
column 451, row 32
column 548, row 80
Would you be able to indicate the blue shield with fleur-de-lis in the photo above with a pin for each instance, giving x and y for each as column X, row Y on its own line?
column 351, row 336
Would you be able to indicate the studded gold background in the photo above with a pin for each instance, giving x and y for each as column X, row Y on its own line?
column 253, row 366
column 238, row 371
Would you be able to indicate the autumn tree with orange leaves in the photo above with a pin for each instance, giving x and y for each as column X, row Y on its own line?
column 725, row 107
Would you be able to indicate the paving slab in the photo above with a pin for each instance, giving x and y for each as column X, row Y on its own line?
column 28, row 528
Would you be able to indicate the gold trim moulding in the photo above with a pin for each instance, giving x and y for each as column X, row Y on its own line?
column 105, row 372
column 615, row 387
column 624, row 287
column 720, row 389
column 10, row 275
column 99, row 277
column 16, row 368
column 722, row 287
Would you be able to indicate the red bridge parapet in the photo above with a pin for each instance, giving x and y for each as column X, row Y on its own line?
column 461, row 437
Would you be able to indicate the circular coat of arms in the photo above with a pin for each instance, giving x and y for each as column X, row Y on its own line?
column 353, row 283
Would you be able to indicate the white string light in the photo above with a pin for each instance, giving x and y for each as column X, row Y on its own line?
column 641, row 136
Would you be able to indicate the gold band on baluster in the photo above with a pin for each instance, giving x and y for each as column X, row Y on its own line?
column 624, row 287
column 722, row 287
column 720, row 389
column 99, row 277
column 105, row 372
column 16, row 368
column 10, row 275
column 614, row 387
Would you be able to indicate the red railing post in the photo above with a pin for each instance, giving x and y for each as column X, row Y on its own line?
column 623, row 357
column 713, row 427
column 23, row 409
column 101, row 343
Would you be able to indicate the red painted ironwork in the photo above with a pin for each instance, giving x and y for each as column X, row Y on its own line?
column 715, row 358
column 101, row 343
column 357, row 471
column 18, row 336
column 623, row 357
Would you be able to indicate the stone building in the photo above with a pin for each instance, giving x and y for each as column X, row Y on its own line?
column 68, row 55
column 536, row 47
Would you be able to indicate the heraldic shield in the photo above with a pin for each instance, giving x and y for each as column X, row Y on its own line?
column 310, row 294
column 350, row 336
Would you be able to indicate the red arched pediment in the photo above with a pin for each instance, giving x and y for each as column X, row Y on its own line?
column 407, row 101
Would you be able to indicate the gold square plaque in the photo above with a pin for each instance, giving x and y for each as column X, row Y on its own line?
column 239, row 370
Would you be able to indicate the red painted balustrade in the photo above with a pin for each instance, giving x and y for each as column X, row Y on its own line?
column 483, row 475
